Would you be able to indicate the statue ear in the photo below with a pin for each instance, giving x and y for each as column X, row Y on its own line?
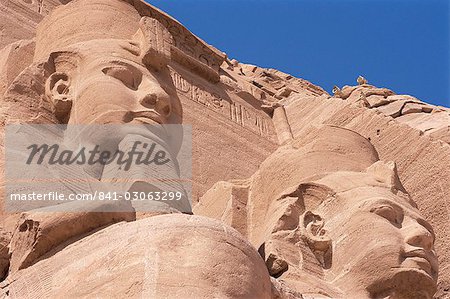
column 386, row 172
column 311, row 229
column 57, row 91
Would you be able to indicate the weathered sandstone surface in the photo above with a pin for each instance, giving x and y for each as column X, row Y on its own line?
column 296, row 193
column 20, row 18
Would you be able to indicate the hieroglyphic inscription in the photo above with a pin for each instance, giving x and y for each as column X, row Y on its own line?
column 240, row 114
column 189, row 43
column 247, row 118
column 198, row 94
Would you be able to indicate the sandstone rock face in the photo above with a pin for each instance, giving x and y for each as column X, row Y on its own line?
column 318, row 196
column 14, row 59
column 429, row 119
column 27, row 13
column 39, row 232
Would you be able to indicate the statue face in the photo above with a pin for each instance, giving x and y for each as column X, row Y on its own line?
column 380, row 241
column 113, row 86
column 373, row 241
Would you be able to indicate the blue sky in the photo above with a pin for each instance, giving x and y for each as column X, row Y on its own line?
column 399, row 44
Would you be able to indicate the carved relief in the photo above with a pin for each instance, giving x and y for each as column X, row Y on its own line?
column 246, row 118
column 238, row 113
column 189, row 44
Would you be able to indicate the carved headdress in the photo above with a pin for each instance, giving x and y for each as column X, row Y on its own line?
column 161, row 37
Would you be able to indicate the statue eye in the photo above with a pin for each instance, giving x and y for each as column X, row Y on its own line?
column 386, row 212
column 123, row 74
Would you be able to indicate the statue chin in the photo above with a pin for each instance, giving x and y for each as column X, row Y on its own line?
column 405, row 283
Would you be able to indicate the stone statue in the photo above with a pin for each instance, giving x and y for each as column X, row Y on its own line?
column 87, row 78
column 115, row 71
column 331, row 220
column 164, row 256
column 323, row 217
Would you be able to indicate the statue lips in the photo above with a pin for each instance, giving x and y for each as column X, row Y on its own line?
column 425, row 260
column 149, row 117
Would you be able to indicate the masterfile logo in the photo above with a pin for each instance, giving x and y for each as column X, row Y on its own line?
column 85, row 168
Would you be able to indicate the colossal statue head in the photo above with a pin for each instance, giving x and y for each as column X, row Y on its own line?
column 99, row 62
column 102, row 62
column 106, row 81
column 352, row 213
column 331, row 219
column 363, row 238
column 107, row 61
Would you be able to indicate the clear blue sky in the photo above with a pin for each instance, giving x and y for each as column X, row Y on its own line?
column 399, row 44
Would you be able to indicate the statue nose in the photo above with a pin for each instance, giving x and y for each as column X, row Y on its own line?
column 154, row 97
column 418, row 235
